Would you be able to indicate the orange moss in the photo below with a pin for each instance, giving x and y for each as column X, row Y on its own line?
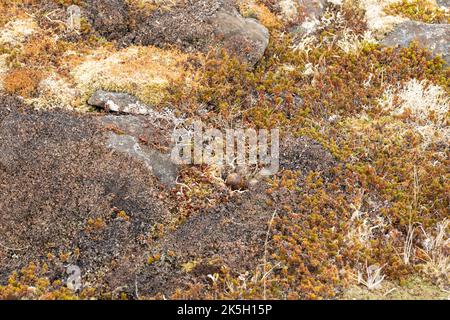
column 96, row 224
column 23, row 82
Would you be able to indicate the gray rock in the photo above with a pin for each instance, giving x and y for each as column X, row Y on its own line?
column 200, row 25
column 244, row 36
column 435, row 37
column 118, row 102
column 312, row 9
column 158, row 163
column 133, row 131
column 443, row 3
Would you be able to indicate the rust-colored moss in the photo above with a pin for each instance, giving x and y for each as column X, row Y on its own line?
column 23, row 82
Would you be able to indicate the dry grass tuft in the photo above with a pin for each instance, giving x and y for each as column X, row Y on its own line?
column 435, row 250
column 15, row 32
column 253, row 9
column 424, row 105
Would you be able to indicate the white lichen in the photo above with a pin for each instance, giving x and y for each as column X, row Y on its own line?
column 427, row 105
column 351, row 42
column 17, row 31
column 378, row 21
column 288, row 9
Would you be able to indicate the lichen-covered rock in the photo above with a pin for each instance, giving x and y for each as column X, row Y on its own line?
column 435, row 37
column 247, row 38
column 118, row 102
column 159, row 164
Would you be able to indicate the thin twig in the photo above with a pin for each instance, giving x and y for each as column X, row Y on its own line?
column 265, row 251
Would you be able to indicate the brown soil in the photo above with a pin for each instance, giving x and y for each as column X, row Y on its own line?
column 61, row 191
column 230, row 235
column 56, row 177
column 111, row 18
column 305, row 154
column 183, row 26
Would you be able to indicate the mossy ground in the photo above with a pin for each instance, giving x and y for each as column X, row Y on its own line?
column 386, row 187
column 419, row 10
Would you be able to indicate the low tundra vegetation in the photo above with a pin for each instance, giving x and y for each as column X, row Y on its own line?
column 419, row 10
column 383, row 113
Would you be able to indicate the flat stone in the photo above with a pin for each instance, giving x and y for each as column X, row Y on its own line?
column 158, row 163
column 118, row 102
column 129, row 140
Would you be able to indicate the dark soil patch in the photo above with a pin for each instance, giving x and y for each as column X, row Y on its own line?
column 111, row 18
column 231, row 235
column 184, row 25
column 60, row 189
column 305, row 154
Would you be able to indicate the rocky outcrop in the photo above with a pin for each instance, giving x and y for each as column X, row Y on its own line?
column 134, row 137
column 197, row 25
column 63, row 190
column 202, row 25
column 435, row 37
column 131, row 134
column 247, row 38
column 57, row 178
